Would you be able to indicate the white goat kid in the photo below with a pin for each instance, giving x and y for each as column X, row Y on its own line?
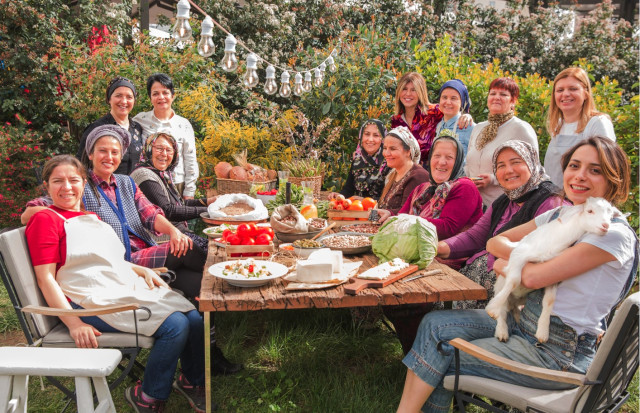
column 544, row 243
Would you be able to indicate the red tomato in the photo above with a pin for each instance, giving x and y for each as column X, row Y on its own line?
column 253, row 228
column 274, row 192
column 244, row 230
column 234, row 239
column 269, row 232
column 247, row 241
column 226, row 233
column 263, row 239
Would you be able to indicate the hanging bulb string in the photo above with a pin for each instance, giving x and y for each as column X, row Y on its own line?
column 242, row 44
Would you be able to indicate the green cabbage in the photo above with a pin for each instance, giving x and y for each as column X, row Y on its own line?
column 409, row 237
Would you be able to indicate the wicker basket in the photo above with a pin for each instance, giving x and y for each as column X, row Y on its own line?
column 317, row 183
column 234, row 186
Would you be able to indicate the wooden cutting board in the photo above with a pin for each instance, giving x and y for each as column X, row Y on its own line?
column 357, row 284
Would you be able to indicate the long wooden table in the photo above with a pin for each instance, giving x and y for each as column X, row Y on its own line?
column 218, row 295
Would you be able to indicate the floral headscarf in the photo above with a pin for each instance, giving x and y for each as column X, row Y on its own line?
column 429, row 198
column 404, row 134
column 530, row 156
column 147, row 153
column 369, row 171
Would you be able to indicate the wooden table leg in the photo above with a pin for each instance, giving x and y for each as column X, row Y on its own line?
column 207, row 360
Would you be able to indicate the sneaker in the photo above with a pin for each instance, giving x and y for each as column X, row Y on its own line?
column 134, row 397
column 194, row 394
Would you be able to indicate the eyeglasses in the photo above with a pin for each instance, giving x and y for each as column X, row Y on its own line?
column 161, row 149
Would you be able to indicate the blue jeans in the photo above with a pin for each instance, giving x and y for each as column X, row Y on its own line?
column 565, row 350
column 180, row 336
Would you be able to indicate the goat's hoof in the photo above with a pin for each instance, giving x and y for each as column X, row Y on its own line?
column 502, row 337
column 493, row 314
column 542, row 338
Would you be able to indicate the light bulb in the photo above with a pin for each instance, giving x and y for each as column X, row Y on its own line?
column 182, row 29
column 317, row 78
column 298, row 90
column 229, row 62
column 270, row 85
column 322, row 67
column 250, row 78
column 206, row 47
column 331, row 64
column 306, row 86
column 285, row 88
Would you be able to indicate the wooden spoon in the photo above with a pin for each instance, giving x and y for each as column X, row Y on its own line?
column 324, row 230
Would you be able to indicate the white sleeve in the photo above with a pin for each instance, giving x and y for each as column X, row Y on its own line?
column 600, row 126
column 191, row 171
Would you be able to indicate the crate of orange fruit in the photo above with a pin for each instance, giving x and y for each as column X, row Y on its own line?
column 350, row 210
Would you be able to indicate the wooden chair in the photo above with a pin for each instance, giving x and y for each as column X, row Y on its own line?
column 602, row 389
column 32, row 310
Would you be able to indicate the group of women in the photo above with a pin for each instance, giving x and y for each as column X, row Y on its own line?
column 481, row 186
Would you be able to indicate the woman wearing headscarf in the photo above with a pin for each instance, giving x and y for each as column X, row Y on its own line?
column 154, row 177
column 414, row 112
column 454, row 102
column 368, row 167
column 402, row 154
column 487, row 136
column 527, row 193
column 121, row 96
column 452, row 203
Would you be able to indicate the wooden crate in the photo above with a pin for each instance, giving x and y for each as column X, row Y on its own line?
column 234, row 186
column 348, row 217
column 249, row 251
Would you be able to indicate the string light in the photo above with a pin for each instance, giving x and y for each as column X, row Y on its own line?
column 331, row 64
column 285, row 88
column 229, row 62
column 298, row 90
column 312, row 77
column 206, row 47
column 270, row 85
column 182, row 29
column 250, row 78
column 306, row 86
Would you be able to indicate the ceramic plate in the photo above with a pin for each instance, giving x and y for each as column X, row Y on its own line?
column 276, row 270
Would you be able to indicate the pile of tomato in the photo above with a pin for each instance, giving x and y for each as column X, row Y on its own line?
column 248, row 234
column 271, row 192
column 352, row 204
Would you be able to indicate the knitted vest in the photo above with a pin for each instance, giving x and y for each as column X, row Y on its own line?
column 125, row 191
column 139, row 175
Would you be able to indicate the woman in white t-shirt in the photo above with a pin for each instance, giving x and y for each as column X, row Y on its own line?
column 572, row 118
column 593, row 275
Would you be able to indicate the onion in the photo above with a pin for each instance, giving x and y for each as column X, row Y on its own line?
column 222, row 170
column 238, row 173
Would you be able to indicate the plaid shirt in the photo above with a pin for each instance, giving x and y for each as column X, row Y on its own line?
column 141, row 253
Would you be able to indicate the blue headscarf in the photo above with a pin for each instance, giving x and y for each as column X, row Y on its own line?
column 458, row 86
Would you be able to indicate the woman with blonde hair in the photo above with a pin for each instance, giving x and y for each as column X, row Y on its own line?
column 415, row 112
column 572, row 117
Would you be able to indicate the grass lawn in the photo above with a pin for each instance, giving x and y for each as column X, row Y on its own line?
column 296, row 361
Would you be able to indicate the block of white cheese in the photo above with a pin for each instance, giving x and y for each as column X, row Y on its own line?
column 330, row 256
column 383, row 271
column 309, row 271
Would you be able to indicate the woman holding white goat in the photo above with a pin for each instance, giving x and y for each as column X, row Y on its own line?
column 594, row 274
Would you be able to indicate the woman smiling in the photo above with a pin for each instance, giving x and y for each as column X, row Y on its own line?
column 454, row 102
column 572, row 118
column 402, row 153
column 487, row 136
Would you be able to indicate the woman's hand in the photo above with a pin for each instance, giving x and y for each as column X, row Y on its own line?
column 482, row 180
column 443, row 250
column 84, row 335
column 180, row 243
column 465, row 121
column 384, row 215
column 499, row 267
column 150, row 277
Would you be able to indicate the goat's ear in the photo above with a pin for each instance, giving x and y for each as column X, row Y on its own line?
column 618, row 214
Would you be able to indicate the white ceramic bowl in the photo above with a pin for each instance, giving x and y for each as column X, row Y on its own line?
column 305, row 252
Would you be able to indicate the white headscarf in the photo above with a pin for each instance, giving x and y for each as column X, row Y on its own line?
column 404, row 134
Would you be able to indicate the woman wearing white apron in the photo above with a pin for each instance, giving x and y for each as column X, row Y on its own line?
column 572, row 118
column 79, row 262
